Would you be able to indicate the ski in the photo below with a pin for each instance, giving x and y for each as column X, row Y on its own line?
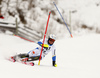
column 26, row 63
column 23, row 62
column 12, row 60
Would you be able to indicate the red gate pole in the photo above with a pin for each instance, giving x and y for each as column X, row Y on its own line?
column 44, row 38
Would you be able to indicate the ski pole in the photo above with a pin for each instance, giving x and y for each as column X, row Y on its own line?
column 62, row 19
column 44, row 37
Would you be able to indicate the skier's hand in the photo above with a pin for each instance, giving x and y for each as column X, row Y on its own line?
column 54, row 64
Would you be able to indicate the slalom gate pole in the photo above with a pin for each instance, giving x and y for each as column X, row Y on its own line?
column 63, row 19
column 44, row 37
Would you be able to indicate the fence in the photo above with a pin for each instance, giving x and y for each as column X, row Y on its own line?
column 28, row 33
column 24, row 32
column 6, row 25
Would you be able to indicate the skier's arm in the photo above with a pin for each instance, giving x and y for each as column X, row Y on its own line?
column 54, row 61
column 45, row 45
column 54, row 57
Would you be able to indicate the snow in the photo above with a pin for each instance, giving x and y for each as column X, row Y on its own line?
column 77, row 57
column 86, row 12
column 4, row 21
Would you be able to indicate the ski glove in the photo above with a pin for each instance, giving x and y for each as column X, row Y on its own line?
column 54, row 63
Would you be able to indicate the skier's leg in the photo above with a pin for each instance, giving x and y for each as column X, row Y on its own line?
column 23, row 55
column 34, row 55
column 34, row 58
column 20, row 57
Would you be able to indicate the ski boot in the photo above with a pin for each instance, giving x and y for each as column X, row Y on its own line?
column 12, row 58
column 24, row 59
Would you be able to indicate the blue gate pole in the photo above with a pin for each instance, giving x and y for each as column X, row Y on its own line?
column 63, row 19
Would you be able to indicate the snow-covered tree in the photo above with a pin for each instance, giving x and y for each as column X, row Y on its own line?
column 33, row 13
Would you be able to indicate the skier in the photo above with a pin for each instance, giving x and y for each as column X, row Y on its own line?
column 35, row 53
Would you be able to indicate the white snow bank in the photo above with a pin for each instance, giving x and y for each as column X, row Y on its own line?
column 77, row 57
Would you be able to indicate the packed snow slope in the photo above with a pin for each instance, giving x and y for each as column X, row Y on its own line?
column 77, row 57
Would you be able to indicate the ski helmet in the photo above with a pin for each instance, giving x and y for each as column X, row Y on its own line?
column 52, row 38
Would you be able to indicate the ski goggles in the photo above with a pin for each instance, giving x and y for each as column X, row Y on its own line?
column 52, row 40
